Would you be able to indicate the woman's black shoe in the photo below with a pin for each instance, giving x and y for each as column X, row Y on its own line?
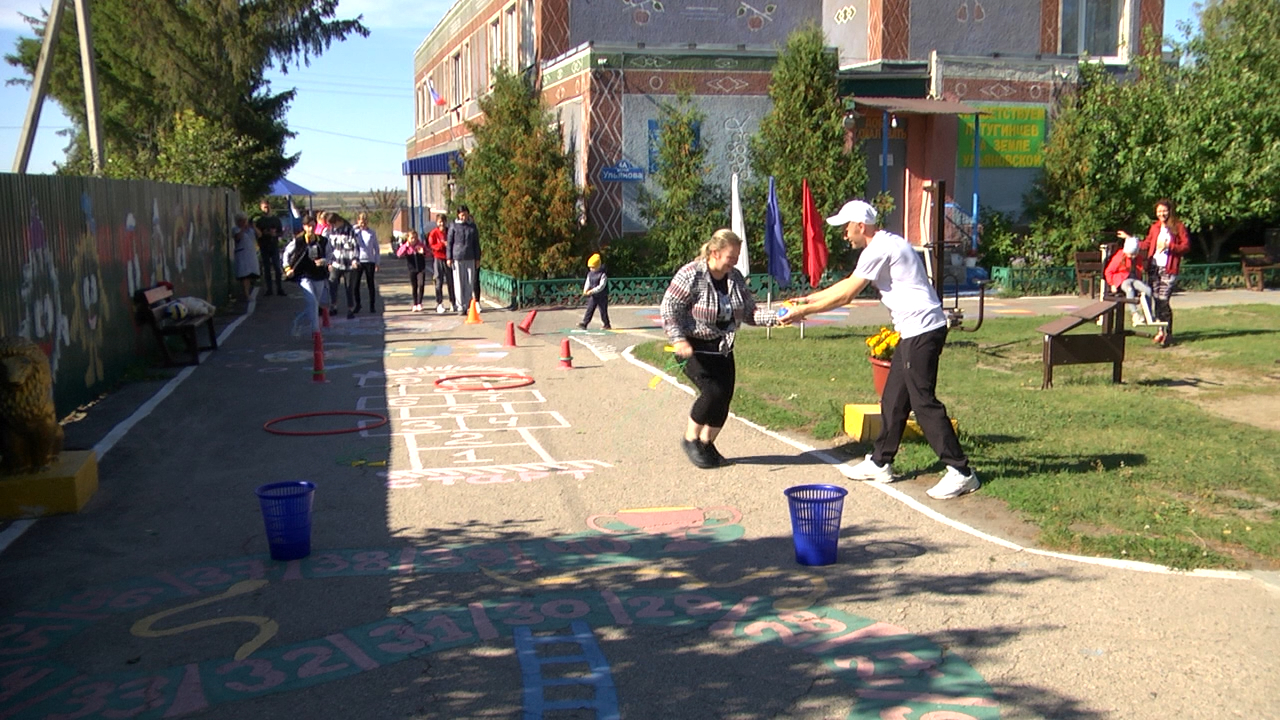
column 715, row 455
column 698, row 454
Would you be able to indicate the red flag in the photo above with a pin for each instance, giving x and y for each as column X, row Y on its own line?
column 814, row 252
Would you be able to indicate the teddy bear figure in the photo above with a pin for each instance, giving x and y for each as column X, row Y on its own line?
column 30, row 436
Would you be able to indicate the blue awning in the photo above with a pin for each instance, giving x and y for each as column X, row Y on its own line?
column 284, row 186
column 438, row 164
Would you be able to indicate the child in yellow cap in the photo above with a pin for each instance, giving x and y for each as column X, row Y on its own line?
column 596, row 289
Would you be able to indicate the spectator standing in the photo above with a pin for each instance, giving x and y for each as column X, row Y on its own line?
column 269, row 231
column 415, row 254
column 345, row 265
column 596, row 288
column 368, row 255
column 246, row 253
column 440, row 272
column 463, row 255
column 890, row 263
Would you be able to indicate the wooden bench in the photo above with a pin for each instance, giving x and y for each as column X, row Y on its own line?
column 153, row 306
column 1088, row 270
column 1061, row 349
column 1254, row 262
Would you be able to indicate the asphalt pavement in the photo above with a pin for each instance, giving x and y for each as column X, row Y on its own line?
column 522, row 539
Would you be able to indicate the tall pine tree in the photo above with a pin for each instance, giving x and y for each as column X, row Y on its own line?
column 518, row 183
column 802, row 137
column 181, row 85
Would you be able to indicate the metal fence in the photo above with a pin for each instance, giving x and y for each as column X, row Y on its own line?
column 76, row 249
column 1062, row 280
column 567, row 292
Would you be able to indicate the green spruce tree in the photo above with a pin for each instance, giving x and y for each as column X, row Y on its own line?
column 803, row 137
column 518, row 183
column 688, row 209
column 181, row 85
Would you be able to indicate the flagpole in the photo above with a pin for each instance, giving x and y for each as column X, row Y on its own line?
column 768, row 329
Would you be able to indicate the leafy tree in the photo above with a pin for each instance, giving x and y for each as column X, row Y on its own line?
column 689, row 209
column 180, row 85
column 518, row 183
column 1224, row 124
column 802, row 137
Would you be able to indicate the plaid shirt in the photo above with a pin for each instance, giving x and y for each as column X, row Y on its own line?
column 691, row 307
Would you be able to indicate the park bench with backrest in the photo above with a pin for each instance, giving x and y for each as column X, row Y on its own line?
column 1254, row 262
column 1089, row 266
column 156, row 309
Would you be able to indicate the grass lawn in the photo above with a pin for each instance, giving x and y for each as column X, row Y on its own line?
column 1153, row 469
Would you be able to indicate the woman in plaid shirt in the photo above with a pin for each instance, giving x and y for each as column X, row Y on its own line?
column 707, row 301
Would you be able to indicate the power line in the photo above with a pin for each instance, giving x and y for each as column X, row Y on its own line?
column 352, row 137
column 403, row 95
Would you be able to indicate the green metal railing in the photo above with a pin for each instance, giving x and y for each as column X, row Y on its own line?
column 567, row 292
column 1062, row 280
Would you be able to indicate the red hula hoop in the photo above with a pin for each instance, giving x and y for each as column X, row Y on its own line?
column 521, row 381
column 362, row 413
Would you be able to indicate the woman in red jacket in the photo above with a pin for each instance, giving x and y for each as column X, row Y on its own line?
column 1164, row 246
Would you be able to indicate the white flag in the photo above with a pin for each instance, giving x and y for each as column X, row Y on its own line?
column 737, row 226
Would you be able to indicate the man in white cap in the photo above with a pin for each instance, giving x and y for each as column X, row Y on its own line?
column 890, row 263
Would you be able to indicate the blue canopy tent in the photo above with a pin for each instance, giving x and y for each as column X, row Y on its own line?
column 286, row 188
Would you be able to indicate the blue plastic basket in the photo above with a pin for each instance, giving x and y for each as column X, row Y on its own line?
column 286, row 512
column 815, row 522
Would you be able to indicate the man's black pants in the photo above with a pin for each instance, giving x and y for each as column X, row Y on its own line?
column 912, row 385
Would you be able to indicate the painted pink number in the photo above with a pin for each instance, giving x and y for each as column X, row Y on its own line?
column 330, row 563
column 136, row 598
column 524, row 614
column 577, row 609
column 371, row 561
column 32, row 639
column 649, row 607
column 782, row 631
column 258, row 668
column 315, row 666
column 697, row 604
column 85, row 602
column 147, row 690
column 91, row 698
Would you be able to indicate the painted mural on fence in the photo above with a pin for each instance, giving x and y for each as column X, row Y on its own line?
column 77, row 249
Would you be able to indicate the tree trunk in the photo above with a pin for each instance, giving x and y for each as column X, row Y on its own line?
column 1211, row 240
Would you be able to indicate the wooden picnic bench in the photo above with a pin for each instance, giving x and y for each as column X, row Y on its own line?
column 1254, row 262
column 153, row 311
column 1062, row 349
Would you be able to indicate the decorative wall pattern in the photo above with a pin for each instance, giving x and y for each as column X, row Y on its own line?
column 897, row 29
column 604, row 132
column 76, row 249
column 554, row 28
column 1150, row 15
column 1049, row 28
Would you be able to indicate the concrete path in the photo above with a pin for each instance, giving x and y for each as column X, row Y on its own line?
column 507, row 548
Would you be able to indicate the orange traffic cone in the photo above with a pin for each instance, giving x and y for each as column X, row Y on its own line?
column 511, row 335
column 473, row 313
column 527, row 322
column 566, row 360
column 317, row 370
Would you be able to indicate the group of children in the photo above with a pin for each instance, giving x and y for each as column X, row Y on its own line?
column 330, row 253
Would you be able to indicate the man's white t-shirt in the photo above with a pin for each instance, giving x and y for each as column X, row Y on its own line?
column 892, row 265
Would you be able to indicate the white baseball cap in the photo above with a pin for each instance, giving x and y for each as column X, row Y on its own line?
column 854, row 211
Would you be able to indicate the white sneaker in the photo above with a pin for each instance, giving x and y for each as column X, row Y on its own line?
column 417, row 308
column 1137, row 318
column 954, row 484
column 868, row 470
column 439, row 308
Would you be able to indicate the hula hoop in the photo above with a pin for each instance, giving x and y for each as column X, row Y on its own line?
column 362, row 413
column 520, row 381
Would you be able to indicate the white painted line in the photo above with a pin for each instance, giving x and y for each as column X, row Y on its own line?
column 844, row 469
column 537, row 448
column 103, row 446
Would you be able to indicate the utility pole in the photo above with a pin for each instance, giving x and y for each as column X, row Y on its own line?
column 39, row 85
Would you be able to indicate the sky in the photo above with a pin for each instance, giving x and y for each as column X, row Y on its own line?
column 354, row 107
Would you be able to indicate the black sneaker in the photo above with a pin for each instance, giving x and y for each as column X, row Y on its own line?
column 351, row 314
column 582, row 326
column 715, row 455
column 697, row 454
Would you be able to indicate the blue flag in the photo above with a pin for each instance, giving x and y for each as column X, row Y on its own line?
column 779, row 268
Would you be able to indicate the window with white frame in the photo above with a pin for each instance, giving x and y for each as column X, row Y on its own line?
column 510, row 39
column 455, row 86
column 494, row 47
column 1100, row 28
column 466, row 71
column 527, row 36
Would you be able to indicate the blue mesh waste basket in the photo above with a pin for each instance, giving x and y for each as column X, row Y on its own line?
column 286, row 512
column 815, row 522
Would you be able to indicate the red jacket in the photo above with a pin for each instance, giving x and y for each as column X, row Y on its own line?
column 1179, row 245
column 435, row 240
column 1121, row 267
